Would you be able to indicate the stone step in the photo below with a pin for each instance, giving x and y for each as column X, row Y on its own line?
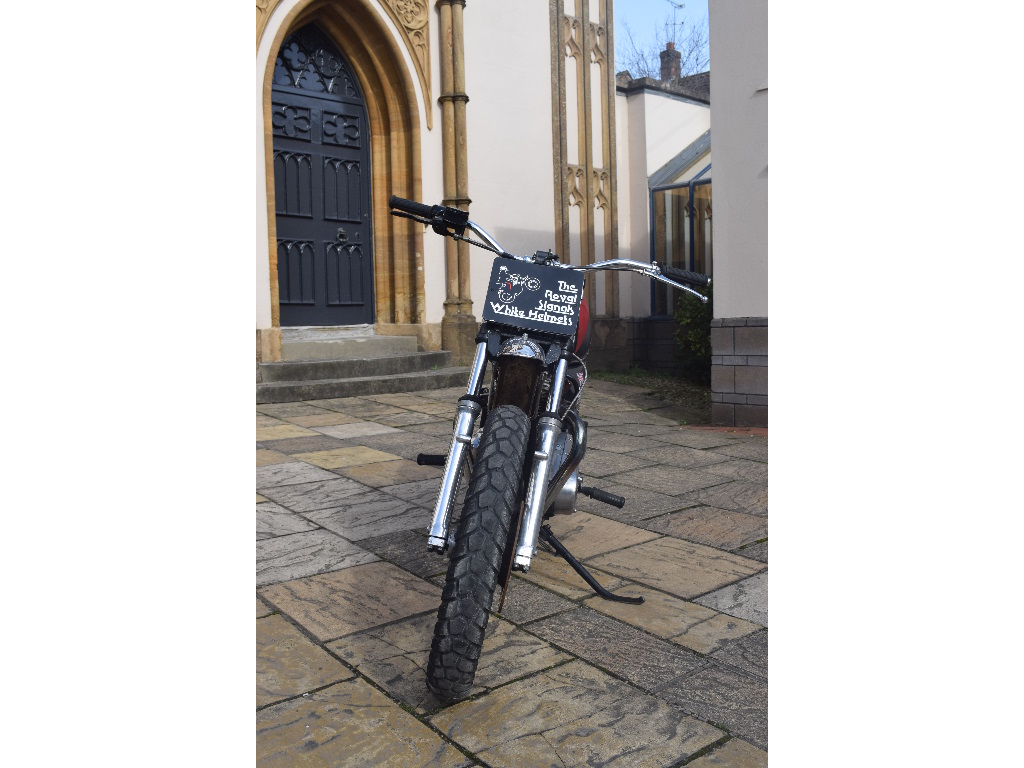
column 352, row 368
column 322, row 389
column 325, row 344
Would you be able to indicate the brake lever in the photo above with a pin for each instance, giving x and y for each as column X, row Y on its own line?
column 404, row 215
column 656, row 274
column 674, row 284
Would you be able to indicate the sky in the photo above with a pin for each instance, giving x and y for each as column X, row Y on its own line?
column 645, row 17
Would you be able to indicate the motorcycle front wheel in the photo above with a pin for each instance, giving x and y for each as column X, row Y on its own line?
column 492, row 505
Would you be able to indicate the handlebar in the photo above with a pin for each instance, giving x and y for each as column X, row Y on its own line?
column 413, row 208
column 695, row 279
column 453, row 222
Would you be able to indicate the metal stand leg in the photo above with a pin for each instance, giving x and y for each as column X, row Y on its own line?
column 549, row 537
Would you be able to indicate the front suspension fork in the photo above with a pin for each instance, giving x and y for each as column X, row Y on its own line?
column 549, row 426
column 462, row 437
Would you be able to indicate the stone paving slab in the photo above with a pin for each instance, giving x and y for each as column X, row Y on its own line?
column 439, row 428
column 349, row 456
column 286, row 410
column 309, row 497
column 725, row 697
column 282, row 431
column 291, row 445
column 262, row 609
column 573, row 715
column 645, row 661
column 735, row 753
column 423, row 493
column 693, row 438
column 283, row 558
column 750, row 654
column 671, row 481
column 677, row 567
column 395, row 657
column 714, row 527
column 641, row 430
column 344, row 602
column 274, row 520
column 404, row 419
column 678, row 621
column 755, row 448
column 586, row 535
column 598, row 463
column 371, row 514
column 349, row 724
column 289, row 473
column 614, row 442
column 356, row 429
column 324, row 419
column 681, row 456
column 408, row 550
column 747, row 599
column 757, row 551
column 265, row 457
column 289, row 664
column 394, row 472
column 355, row 406
column 741, row 469
column 526, row 602
column 735, row 496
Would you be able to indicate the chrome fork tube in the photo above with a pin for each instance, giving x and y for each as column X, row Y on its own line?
column 548, row 429
column 462, row 437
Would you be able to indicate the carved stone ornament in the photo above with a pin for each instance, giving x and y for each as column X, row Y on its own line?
column 263, row 10
column 413, row 21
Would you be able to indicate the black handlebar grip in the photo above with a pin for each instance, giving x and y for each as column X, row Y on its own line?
column 412, row 207
column 686, row 277
column 603, row 496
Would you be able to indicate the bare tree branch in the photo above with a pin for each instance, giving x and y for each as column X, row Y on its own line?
column 643, row 60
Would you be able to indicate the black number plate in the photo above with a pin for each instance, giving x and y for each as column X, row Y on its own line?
column 533, row 297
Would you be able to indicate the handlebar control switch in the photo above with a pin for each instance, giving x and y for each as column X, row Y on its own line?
column 448, row 219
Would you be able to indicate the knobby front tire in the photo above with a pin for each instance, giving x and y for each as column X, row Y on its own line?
column 492, row 502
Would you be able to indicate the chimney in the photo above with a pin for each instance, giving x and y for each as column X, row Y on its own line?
column 670, row 62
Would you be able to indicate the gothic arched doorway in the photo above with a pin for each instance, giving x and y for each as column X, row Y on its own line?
column 322, row 190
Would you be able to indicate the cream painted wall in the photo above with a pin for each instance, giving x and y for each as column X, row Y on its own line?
column 739, row 153
column 672, row 125
column 653, row 128
column 508, row 125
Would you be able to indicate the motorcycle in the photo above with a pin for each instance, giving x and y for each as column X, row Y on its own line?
column 520, row 438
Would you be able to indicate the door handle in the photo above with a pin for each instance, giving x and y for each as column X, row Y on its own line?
column 342, row 235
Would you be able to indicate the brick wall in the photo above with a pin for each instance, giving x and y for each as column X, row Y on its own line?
column 739, row 371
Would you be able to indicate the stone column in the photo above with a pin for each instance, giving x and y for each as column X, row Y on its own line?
column 458, row 326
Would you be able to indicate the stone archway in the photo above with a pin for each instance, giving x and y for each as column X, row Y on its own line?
column 393, row 114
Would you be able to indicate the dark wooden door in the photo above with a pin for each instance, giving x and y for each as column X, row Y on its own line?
column 321, row 186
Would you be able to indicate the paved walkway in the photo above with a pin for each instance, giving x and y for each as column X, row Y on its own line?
column 347, row 595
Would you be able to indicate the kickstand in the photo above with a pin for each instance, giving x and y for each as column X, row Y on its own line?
column 547, row 536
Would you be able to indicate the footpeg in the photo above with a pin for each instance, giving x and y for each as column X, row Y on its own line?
column 603, row 496
column 431, row 459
